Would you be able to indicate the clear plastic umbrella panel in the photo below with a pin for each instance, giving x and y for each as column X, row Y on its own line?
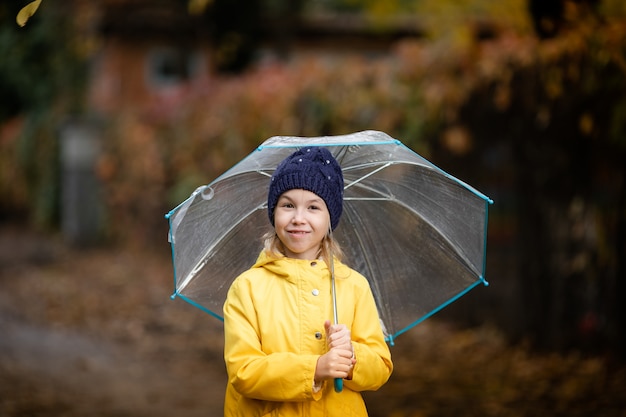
column 415, row 232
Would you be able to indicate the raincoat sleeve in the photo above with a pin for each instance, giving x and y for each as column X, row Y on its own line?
column 254, row 374
column 373, row 359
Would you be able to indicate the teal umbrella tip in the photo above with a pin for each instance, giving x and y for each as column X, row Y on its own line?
column 173, row 296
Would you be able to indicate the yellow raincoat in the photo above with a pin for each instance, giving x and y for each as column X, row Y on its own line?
column 274, row 333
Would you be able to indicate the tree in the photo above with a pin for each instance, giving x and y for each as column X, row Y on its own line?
column 41, row 80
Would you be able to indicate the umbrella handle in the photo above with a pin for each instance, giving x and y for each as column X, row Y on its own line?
column 338, row 384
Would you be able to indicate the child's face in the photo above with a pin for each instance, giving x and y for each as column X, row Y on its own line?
column 301, row 220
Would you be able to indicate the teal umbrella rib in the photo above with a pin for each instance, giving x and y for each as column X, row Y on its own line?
column 196, row 304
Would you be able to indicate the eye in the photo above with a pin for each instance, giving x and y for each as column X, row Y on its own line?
column 314, row 207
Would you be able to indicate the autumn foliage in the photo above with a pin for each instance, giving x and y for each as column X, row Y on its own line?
column 155, row 158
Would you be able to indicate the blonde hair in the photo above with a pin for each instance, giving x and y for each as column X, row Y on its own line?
column 329, row 246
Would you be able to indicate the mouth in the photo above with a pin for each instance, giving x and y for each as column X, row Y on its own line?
column 297, row 232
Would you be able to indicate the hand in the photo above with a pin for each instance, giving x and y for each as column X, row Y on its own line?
column 338, row 336
column 339, row 360
column 336, row 363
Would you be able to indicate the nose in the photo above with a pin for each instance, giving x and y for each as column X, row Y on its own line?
column 298, row 216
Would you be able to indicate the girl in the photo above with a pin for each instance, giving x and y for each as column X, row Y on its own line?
column 281, row 351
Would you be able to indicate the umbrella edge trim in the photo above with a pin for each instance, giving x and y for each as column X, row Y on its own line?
column 197, row 305
column 391, row 338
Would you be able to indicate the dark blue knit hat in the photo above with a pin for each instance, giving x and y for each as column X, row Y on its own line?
column 313, row 169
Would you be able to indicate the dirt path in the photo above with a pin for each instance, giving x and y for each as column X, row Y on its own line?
column 54, row 371
column 94, row 333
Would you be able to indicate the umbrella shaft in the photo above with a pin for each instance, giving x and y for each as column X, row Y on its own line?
column 332, row 288
column 334, row 294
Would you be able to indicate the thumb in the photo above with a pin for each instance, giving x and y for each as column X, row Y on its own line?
column 327, row 326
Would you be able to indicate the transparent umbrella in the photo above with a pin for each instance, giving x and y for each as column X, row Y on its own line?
column 415, row 232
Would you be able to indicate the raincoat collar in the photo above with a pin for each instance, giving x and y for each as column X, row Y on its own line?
column 287, row 267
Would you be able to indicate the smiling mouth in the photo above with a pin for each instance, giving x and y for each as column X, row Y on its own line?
column 297, row 232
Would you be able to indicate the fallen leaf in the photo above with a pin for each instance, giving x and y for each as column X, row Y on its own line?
column 26, row 12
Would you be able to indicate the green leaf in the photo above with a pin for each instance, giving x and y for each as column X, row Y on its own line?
column 27, row 11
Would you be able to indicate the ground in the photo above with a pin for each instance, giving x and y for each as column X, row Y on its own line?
column 93, row 332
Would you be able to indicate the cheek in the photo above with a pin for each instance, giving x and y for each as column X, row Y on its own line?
column 324, row 223
column 281, row 217
column 277, row 218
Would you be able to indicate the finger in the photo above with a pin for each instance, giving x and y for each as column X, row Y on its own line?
column 340, row 344
column 337, row 333
column 337, row 328
column 340, row 339
column 342, row 355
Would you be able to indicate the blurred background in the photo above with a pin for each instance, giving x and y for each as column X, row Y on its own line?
column 113, row 111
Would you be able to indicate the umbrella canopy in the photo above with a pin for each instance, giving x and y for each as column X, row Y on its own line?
column 415, row 232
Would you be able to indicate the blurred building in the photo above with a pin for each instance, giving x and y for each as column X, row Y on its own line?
column 153, row 55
